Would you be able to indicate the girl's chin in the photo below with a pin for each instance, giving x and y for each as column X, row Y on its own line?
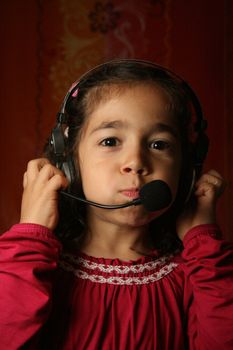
column 134, row 216
column 137, row 216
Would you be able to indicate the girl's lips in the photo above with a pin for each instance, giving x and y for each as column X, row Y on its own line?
column 131, row 193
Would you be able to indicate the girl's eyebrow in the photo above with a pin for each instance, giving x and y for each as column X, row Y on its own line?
column 157, row 128
column 115, row 124
column 162, row 127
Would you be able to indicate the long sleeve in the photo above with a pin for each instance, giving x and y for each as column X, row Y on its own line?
column 209, row 270
column 28, row 259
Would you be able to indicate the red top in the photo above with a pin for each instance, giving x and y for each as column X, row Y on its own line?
column 81, row 302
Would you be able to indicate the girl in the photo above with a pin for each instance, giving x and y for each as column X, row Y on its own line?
column 75, row 276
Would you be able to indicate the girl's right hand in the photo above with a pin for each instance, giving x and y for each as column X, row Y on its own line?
column 41, row 183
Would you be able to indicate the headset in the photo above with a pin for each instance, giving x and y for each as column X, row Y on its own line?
column 59, row 135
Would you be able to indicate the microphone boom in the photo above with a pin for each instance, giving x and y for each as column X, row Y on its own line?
column 136, row 201
column 155, row 195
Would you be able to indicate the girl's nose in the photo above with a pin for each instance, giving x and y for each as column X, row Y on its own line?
column 135, row 164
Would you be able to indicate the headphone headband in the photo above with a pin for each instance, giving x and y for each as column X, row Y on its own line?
column 201, row 123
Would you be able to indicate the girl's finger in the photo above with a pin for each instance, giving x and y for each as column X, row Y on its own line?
column 25, row 180
column 211, row 183
column 47, row 172
column 57, row 182
column 34, row 167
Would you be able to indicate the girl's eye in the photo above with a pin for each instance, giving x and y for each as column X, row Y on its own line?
column 160, row 145
column 110, row 142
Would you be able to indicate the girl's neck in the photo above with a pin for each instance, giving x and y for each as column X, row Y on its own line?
column 112, row 241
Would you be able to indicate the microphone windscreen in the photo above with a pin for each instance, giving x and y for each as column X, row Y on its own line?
column 155, row 195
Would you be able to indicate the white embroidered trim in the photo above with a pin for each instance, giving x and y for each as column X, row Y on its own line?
column 122, row 280
column 118, row 280
column 122, row 269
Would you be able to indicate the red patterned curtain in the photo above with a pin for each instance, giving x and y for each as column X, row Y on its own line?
column 46, row 45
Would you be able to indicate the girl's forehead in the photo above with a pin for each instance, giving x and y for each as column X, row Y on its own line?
column 112, row 90
column 142, row 103
column 151, row 92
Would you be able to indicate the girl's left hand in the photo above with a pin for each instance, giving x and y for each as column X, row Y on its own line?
column 202, row 210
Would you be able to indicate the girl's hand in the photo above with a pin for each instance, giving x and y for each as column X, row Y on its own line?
column 203, row 209
column 41, row 184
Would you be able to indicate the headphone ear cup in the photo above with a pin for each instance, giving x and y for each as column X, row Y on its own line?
column 57, row 143
column 190, row 186
column 199, row 152
column 68, row 169
column 186, row 184
column 62, row 161
column 197, row 156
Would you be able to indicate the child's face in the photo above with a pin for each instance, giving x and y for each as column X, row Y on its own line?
column 128, row 141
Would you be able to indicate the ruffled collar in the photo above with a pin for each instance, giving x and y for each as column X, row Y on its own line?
column 144, row 270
